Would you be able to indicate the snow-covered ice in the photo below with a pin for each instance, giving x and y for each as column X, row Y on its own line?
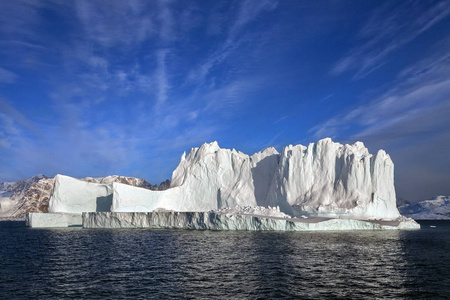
column 53, row 220
column 71, row 195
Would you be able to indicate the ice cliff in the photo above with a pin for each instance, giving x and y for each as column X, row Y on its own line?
column 323, row 179
column 207, row 178
column 219, row 221
column 330, row 179
column 71, row 195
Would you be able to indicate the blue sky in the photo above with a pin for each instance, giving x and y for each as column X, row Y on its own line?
column 94, row 88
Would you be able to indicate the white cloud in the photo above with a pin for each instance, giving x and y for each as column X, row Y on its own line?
column 161, row 75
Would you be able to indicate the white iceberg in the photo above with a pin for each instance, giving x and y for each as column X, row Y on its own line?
column 324, row 180
column 71, row 195
column 53, row 220
column 330, row 179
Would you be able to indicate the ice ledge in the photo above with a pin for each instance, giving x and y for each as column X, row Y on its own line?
column 217, row 221
column 53, row 220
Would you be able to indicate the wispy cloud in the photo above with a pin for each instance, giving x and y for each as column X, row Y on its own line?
column 115, row 22
column 10, row 113
column 166, row 21
column 426, row 88
column 410, row 120
column 7, row 76
column 161, row 74
column 66, row 147
column 226, row 98
column 390, row 27
column 17, row 19
column 247, row 12
column 20, row 46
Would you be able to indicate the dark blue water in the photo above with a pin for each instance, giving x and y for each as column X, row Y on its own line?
column 138, row 264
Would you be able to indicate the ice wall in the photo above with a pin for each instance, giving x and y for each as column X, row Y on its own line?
column 213, row 178
column 72, row 195
column 207, row 178
column 216, row 221
column 331, row 179
column 128, row 198
column 323, row 179
column 53, row 220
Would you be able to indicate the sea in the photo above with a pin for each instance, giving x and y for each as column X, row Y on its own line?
column 76, row 263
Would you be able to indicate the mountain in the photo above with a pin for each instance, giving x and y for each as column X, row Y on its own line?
column 402, row 202
column 33, row 194
column 437, row 208
column 30, row 195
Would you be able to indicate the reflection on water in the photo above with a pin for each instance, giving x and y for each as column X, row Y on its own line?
column 80, row 263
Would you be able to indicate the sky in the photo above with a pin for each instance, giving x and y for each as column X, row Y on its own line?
column 96, row 88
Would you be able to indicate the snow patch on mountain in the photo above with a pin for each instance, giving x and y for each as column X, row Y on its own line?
column 22, row 197
column 437, row 208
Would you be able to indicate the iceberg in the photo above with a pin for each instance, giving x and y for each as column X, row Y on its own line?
column 71, row 195
column 53, row 220
column 330, row 179
column 324, row 180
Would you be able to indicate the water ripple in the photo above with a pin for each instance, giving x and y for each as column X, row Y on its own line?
column 141, row 264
